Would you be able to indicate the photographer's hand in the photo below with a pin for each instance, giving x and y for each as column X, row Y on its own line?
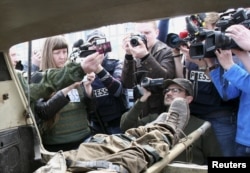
column 240, row 34
column 225, row 58
column 91, row 63
column 125, row 44
column 200, row 62
column 36, row 57
column 178, row 62
column 145, row 95
column 139, row 51
column 66, row 90
column 90, row 77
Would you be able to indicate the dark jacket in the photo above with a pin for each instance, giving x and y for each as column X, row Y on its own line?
column 107, row 104
column 207, row 100
column 202, row 148
column 158, row 64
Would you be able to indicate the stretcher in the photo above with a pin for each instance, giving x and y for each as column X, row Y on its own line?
column 165, row 165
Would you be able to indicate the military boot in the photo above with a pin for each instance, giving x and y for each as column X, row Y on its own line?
column 178, row 115
column 176, row 118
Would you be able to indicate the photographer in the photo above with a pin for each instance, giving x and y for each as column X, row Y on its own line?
column 149, row 58
column 107, row 99
column 47, row 82
column 237, row 76
column 54, row 112
column 207, row 103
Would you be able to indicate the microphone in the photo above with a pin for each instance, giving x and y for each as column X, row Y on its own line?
column 183, row 34
column 78, row 43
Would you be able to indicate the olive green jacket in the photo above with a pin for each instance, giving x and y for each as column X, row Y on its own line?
column 51, row 80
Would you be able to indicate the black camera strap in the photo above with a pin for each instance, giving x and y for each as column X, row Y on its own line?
column 195, row 85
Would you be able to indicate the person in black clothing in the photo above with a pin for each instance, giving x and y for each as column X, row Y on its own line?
column 106, row 96
column 207, row 103
column 151, row 58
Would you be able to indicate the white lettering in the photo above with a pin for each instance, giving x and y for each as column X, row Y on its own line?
column 201, row 76
column 216, row 164
column 101, row 92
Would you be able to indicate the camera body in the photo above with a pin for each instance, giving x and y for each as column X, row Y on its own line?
column 175, row 41
column 135, row 37
column 101, row 45
column 232, row 17
column 205, row 42
column 152, row 85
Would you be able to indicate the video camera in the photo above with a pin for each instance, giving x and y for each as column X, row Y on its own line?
column 82, row 50
column 152, row 85
column 214, row 39
column 203, row 42
column 175, row 41
column 231, row 17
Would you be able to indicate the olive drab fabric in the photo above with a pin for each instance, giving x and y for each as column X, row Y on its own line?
column 129, row 151
column 51, row 80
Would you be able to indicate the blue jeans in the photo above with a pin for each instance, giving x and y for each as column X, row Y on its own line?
column 225, row 131
column 242, row 150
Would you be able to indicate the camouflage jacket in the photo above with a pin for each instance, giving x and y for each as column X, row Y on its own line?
column 51, row 80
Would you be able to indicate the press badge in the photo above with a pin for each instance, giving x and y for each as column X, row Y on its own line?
column 74, row 95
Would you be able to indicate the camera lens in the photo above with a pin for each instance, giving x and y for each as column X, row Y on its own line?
column 173, row 40
column 134, row 42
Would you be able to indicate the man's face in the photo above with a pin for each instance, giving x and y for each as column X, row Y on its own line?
column 149, row 31
column 14, row 57
column 173, row 91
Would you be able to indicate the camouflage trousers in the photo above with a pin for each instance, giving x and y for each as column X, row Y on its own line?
column 132, row 152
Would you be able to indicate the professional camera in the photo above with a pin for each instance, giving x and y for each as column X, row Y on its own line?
column 205, row 42
column 193, row 25
column 197, row 34
column 217, row 39
column 102, row 46
column 152, row 85
column 175, row 41
column 82, row 51
column 134, row 39
column 231, row 17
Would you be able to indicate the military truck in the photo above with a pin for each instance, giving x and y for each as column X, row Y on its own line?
column 21, row 149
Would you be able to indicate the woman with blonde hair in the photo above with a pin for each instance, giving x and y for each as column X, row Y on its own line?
column 211, row 19
column 62, row 118
column 54, row 53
